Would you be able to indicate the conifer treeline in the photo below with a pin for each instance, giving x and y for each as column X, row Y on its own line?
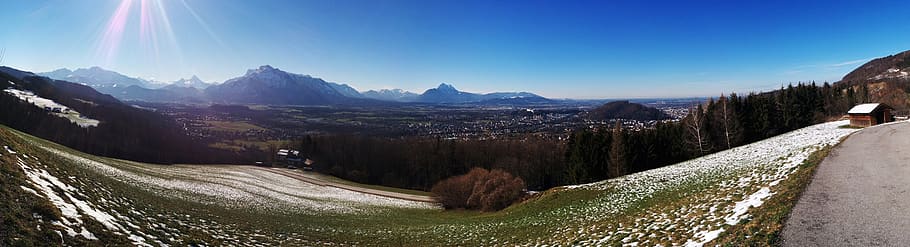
column 419, row 163
column 714, row 126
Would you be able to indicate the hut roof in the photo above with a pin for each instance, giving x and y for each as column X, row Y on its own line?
column 864, row 108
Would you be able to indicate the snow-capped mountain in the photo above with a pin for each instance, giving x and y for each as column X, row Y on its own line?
column 346, row 90
column 193, row 82
column 96, row 77
column 391, row 95
column 268, row 85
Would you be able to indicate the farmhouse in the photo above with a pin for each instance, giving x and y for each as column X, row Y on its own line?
column 293, row 159
column 865, row 115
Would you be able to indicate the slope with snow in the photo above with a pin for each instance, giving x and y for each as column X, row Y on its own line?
column 687, row 204
column 735, row 181
column 64, row 111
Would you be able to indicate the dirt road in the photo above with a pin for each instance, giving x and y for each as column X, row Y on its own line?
column 860, row 195
column 322, row 182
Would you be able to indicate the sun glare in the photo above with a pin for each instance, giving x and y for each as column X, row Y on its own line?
column 113, row 34
column 155, row 31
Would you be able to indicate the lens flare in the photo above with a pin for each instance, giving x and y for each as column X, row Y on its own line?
column 147, row 35
column 113, row 34
column 156, row 35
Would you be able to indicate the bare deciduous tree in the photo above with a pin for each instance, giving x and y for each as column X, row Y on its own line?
column 695, row 128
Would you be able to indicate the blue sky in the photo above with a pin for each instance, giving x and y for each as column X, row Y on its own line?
column 560, row 49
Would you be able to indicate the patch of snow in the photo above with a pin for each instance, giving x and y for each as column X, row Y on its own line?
column 754, row 200
column 705, row 237
column 26, row 189
column 68, row 205
column 138, row 240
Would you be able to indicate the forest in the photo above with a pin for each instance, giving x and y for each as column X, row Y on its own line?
column 589, row 154
column 717, row 125
column 418, row 163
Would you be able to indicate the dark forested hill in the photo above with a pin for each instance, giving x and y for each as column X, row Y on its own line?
column 884, row 80
column 893, row 66
column 626, row 110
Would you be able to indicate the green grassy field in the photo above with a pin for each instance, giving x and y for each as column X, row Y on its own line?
column 240, row 144
column 234, row 126
column 706, row 200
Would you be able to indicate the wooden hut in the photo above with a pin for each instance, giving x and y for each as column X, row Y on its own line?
column 865, row 115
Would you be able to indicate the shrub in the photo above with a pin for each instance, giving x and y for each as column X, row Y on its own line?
column 480, row 189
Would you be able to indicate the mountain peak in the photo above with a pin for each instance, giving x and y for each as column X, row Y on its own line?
column 194, row 82
column 262, row 69
column 446, row 87
column 62, row 70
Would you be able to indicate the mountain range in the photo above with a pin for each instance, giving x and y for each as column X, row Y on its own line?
column 193, row 82
column 397, row 95
column 269, row 85
column 96, row 77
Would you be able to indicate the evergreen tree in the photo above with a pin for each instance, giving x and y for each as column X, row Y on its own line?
column 618, row 159
column 575, row 152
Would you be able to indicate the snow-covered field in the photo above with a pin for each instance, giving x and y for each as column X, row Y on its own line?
column 73, row 203
column 736, row 180
column 43, row 103
column 79, row 198
column 241, row 187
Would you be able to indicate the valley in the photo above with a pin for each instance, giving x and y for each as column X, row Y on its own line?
column 234, row 125
column 453, row 123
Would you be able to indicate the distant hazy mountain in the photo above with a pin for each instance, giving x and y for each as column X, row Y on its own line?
column 267, row 85
column 95, row 77
column 346, row 90
column 170, row 93
column 193, row 82
column 446, row 93
column 626, row 110
column 391, row 95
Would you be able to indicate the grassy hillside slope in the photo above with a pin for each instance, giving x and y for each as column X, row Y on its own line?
column 53, row 194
